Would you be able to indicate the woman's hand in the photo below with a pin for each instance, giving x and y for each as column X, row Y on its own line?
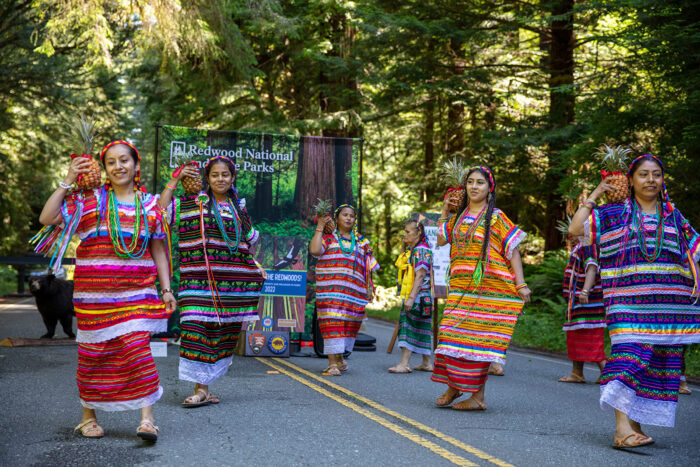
column 600, row 190
column 447, row 204
column 169, row 300
column 77, row 166
column 408, row 303
column 322, row 221
column 370, row 294
column 583, row 298
column 525, row 294
column 263, row 273
column 189, row 170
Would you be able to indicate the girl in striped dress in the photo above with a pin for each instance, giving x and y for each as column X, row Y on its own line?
column 343, row 284
column 415, row 288
column 585, row 316
column 486, row 291
column 116, row 303
column 648, row 263
column 220, row 282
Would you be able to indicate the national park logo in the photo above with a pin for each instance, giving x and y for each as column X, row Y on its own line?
column 278, row 344
column 256, row 340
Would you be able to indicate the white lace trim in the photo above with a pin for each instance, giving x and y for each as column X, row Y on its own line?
column 117, row 406
column 338, row 345
column 617, row 395
column 469, row 356
column 203, row 373
column 514, row 244
column 134, row 325
column 413, row 349
column 214, row 319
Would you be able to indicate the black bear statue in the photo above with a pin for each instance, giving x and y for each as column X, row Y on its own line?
column 54, row 300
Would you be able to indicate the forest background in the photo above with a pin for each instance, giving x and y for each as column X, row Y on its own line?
column 530, row 88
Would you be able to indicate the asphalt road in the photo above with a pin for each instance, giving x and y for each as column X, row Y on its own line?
column 284, row 412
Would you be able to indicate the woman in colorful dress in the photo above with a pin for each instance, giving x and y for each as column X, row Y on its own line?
column 415, row 267
column 485, row 295
column 648, row 255
column 220, row 284
column 343, row 284
column 585, row 317
column 116, row 302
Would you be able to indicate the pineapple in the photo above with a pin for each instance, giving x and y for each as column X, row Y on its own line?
column 454, row 172
column 86, row 131
column 192, row 184
column 615, row 162
column 322, row 208
column 563, row 226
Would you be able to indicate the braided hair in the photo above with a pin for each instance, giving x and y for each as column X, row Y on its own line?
column 232, row 193
column 490, row 206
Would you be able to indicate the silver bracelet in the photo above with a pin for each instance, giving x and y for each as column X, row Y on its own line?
column 64, row 185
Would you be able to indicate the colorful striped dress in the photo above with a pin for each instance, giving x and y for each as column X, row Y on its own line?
column 415, row 324
column 117, row 307
column 585, row 323
column 650, row 309
column 341, row 290
column 478, row 322
column 211, row 320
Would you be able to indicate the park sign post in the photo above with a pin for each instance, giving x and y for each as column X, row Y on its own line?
column 280, row 177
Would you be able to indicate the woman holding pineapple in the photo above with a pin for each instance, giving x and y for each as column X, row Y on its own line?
column 343, row 283
column 486, row 290
column 220, row 282
column 648, row 255
column 116, row 303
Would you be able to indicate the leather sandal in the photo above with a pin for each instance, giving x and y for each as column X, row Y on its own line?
column 147, row 431
column 332, row 370
column 572, row 378
column 90, row 429
column 469, row 404
column 445, row 400
column 639, row 441
column 199, row 398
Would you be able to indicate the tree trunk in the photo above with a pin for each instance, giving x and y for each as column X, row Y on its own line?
column 561, row 112
column 429, row 150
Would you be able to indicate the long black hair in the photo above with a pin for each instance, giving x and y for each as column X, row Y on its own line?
column 490, row 205
column 232, row 193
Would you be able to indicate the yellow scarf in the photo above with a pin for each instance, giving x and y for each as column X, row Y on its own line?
column 406, row 274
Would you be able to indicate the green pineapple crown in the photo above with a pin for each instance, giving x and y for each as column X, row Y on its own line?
column 86, row 129
column 454, row 171
column 323, row 207
column 563, row 226
column 614, row 159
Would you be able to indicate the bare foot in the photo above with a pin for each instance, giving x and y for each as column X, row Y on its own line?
column 496, row 369
column 399, row 369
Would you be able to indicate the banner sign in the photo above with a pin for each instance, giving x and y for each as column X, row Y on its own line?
column 281, row 178
column 441, row 254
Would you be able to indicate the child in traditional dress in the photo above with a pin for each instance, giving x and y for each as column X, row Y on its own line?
column 415, row 266
column 116, row 302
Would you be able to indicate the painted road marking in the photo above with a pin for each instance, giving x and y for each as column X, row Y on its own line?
column 437, row 449
column 416, row 424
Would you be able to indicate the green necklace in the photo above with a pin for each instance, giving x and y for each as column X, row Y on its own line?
column 642, row 236
column 346, row 251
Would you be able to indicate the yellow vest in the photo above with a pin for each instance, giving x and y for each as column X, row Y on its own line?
column 406, row 274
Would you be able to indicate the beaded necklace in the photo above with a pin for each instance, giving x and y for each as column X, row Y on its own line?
column 115, row 230
column 469, row 236
column 643, row 235
column 222, row 228
column 353, row 241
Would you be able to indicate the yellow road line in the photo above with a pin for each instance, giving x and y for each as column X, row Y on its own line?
column 437, row 449
column 449, row 439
